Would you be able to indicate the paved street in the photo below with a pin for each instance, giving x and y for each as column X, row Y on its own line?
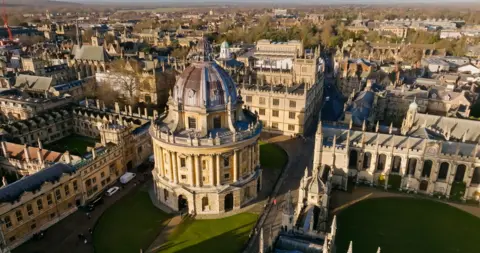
column 300, row 155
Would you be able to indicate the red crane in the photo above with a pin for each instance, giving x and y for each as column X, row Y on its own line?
column 5, row 21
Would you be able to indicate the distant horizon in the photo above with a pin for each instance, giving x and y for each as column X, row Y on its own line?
column 280, row 2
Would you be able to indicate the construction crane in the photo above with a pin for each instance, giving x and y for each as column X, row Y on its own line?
column 5, row 21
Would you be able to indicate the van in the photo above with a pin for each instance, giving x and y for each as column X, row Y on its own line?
column 127, row 177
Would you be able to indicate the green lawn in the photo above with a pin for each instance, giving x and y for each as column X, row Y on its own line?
column 272, row 156
column 222, row 235
column 130, row 224
column 400, row 225
column 74, row 143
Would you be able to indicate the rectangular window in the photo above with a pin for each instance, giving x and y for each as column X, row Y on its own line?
column 249, row 99
column 204, row 164
column 19, row 215
column 75, row 185
column 262, row 101
column 39, row 204
column 88, row 183
column 182, row 162
column 29, row 210
column 49, row 199
column 102, row 175
column 226, row 176
column 12, row 239
column 7, row 221
column 291, row 127
column 192, row 123
column 183, row 177
column 275, row 113
column 291, row 115
column 33, row 226
column 94, row 180
column 276, row 102
column 293, row 104
column 58, row 194
column 67, row 190
column 262, row 112
column 274, row 125
column 52, row 215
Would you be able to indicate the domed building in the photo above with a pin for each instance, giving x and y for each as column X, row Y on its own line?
column 206, row 144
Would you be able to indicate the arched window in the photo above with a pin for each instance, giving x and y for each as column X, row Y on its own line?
column 476, row 176
column 352, row 162
column 412, row 165
column 427, row 168
column 460, row 173
column 204, row 203
column 381, row 162
column 443, row 172
column 367, row 160
column 397, row 161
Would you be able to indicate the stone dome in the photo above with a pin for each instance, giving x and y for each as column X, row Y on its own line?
column 205, row 84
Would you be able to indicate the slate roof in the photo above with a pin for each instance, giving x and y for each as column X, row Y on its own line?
column 93, row 53
column 14, row 191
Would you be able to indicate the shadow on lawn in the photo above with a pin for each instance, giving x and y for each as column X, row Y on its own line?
column 230, row 241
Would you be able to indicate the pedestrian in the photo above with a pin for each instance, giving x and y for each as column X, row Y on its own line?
column 274, row 202
column 80, row 236
column 85, row 241
column 89, row 216
column 90, row 231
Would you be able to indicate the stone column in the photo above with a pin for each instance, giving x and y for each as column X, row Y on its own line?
column 373, row 163
column 174, row 167
column 388, row 165
column 160, row 164
column 235, row 166
column 219, row 178
column 170, row 177
column 211, row 168
column 198, row 171
column 191, row 169
column 403, row 166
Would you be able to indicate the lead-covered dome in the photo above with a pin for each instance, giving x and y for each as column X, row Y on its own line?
column 204, row 83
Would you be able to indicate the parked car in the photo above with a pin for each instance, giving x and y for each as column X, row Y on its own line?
column 112, row 190
column 94, row 203
column 127, row 177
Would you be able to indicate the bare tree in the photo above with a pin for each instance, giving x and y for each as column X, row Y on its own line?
column 125, row 77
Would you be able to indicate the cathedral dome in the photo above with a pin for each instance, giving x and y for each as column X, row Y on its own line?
column 205, row 84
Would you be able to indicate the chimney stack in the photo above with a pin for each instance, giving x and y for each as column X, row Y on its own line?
column 26, row 154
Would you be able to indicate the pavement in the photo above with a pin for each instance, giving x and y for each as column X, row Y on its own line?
column 64, row 236
column 300, row 155
column 160, row 241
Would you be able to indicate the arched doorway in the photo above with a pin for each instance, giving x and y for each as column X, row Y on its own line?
column 443, row 172
column 367, row 159
column 228, row 202
column 352, row 161
column 460, row 173
column 182, row 203
column 423, row 185
column 427, row 168
column 397, row 161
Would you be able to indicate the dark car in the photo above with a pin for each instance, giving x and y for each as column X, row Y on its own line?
column 91, row 206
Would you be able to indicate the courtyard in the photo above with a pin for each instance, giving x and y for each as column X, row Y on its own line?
column 75, row 144
column 399, row 224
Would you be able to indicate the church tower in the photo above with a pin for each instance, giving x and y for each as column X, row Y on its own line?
column 410, row 117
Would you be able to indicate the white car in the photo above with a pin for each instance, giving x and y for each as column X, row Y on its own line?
column 112, row 190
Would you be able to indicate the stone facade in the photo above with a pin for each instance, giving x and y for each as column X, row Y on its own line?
column 206, row 146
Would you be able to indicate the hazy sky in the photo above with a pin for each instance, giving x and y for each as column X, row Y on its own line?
column 280, row 1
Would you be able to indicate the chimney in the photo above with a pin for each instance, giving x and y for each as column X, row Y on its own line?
column 98, row 104
column 26, row 154
column 4, row 149
column 94, row 153
column 146, row 112
column 117, row 108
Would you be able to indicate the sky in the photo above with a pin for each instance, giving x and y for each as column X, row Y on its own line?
column 279, row 1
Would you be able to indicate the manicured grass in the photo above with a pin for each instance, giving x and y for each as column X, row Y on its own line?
column 75, row 144
column 227, row 235
column 400, row 225
column 272, row 156
column 129, row 225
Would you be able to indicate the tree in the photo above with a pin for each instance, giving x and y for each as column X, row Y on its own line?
column 125, row 77
column 26, row 40
column 87, row 35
